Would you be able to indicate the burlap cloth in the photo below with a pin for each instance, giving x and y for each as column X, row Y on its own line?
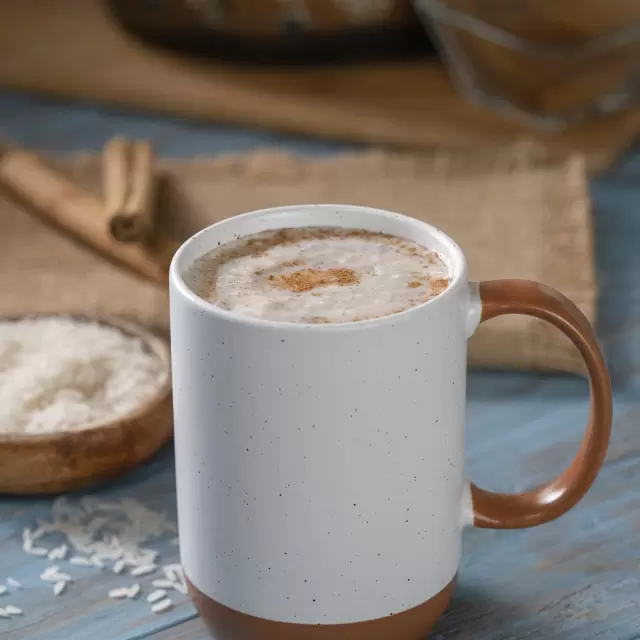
column 512, row 219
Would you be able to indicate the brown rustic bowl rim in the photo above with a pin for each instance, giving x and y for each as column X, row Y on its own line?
column 155, row 344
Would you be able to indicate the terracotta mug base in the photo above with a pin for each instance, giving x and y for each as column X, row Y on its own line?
column 228, row 624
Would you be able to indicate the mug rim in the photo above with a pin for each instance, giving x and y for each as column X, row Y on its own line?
column 456, row 260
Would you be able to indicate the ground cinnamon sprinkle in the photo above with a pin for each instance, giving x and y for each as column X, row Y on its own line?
column 438, row 285
column 308, row 279
column 299, row 276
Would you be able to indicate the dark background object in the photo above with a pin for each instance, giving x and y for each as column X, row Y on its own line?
column 279, row 31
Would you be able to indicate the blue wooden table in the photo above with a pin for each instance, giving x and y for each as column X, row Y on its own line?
column 577, row 578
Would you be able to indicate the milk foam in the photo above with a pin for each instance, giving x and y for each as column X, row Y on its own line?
column 319, row 275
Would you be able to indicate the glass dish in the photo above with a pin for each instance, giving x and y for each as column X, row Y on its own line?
column 553, row 62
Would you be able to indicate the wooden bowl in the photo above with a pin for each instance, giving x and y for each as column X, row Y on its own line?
column 57, row 462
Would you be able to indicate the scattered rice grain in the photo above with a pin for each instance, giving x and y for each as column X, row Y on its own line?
column 99, row 532
column 134, row 590
column 50, row 572
column 39, row 552
column 13, row 611
column 180, row 587
column 36, row 534
column 162, row 606
column 143, row 570
column 173, row 571
column 59, row 553
column 59, row 587
column 12, row 582
column 156, row 595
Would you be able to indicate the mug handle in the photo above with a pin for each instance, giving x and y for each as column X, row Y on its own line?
column 518, row 511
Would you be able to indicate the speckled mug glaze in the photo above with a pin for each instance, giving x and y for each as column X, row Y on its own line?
column 320, row 480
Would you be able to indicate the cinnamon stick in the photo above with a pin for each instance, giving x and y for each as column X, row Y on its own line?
column 74, row 210
column 115, row 176
column 129, row 189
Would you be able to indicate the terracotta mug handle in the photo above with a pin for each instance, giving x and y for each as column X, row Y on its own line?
column 517, row 511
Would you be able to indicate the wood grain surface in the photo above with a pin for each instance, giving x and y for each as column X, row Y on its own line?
column 82, row 53
column 573, row 579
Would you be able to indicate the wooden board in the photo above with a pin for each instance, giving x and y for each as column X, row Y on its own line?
column 569, row 580
column 74, row 48
column 574, row 579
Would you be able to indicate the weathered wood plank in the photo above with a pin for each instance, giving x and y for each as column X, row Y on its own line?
column 508, row 580
column 66, row 127
column 84, row 607
column 190, row 630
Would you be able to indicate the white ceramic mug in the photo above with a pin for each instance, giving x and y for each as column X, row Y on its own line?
column 320, row 468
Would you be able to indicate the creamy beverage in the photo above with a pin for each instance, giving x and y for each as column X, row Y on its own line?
column 319, row 275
